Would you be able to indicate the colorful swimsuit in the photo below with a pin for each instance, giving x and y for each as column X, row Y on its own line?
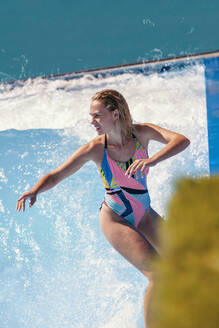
column 128, row 197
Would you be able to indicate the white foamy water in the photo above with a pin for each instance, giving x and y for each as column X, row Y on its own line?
column 175, row 100
column 57, row 269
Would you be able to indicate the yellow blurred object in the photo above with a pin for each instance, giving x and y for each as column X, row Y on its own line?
column 186, row 289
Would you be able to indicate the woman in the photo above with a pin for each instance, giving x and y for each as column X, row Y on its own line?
column 120, row 153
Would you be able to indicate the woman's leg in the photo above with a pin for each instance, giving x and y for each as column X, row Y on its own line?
column 131, row 244
column 149, row 227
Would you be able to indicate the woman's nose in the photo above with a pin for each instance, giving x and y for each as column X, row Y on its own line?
column 92, row 120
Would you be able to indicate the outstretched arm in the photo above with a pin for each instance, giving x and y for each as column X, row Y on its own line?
column 175, row 143
column 48, row 181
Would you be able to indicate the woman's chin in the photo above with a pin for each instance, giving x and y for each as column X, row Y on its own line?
column 99, row 131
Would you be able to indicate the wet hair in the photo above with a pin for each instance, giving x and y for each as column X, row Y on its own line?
column 112, row 100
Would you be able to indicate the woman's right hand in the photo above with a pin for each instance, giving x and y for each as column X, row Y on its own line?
column 21, row 201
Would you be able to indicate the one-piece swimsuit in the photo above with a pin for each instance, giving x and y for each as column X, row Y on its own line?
column 128, row 197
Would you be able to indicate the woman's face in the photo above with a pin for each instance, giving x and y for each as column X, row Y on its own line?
column 101, row 118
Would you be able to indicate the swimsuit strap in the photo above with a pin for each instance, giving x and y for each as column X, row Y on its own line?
column 105, row 145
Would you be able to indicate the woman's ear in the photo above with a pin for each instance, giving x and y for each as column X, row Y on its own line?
column 116, row 114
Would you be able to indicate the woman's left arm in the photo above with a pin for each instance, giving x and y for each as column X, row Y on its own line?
column 175, row 143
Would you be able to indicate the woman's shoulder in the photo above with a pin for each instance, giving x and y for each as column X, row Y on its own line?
column 146, row 130
column 97, row 142
column 142, row 127
column 142, row 133
column 96, row 148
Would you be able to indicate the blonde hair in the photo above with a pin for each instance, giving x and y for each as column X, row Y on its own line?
column 112, row 100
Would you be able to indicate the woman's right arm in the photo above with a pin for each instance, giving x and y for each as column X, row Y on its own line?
column 48, row 181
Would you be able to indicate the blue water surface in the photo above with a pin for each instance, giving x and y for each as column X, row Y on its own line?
column 59, row 36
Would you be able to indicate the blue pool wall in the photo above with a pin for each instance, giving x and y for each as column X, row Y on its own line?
column 212, row 104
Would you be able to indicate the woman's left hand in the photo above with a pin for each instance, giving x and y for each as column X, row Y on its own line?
column 139, row 165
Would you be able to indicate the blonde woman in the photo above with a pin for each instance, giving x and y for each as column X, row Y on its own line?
column 120, row 152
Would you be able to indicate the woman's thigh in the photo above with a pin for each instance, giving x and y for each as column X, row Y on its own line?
column 129, row 242
column 149, row 227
